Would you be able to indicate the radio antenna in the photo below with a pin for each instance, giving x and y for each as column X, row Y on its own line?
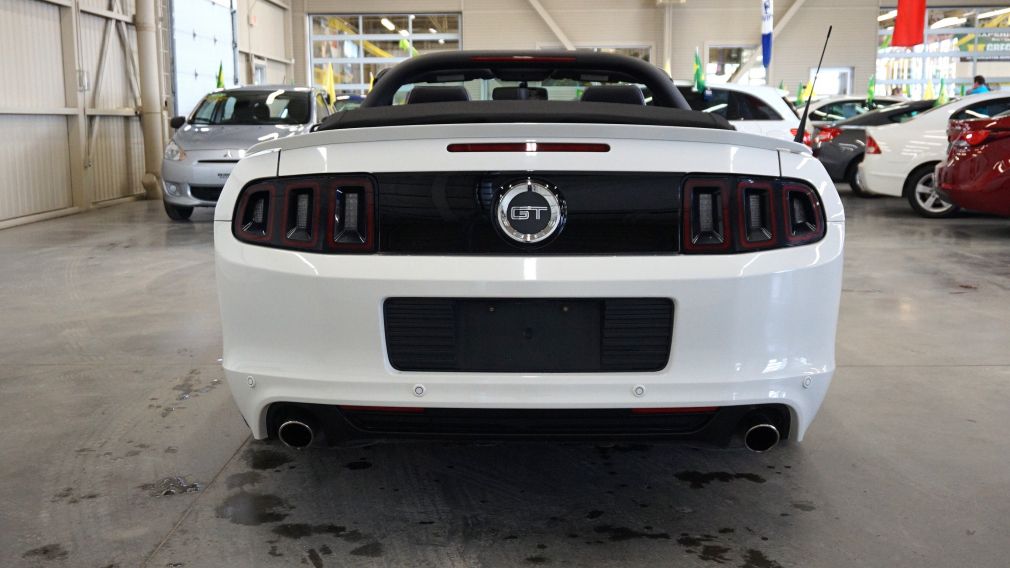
column 806, row 109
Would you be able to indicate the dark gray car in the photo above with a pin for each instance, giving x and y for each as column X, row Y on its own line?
column 840, row 146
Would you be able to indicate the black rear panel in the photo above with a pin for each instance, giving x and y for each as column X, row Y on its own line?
column 453, row 213
column 529, row 335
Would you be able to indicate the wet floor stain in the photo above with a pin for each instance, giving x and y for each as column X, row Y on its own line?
column 265, row 458
column 191, row 385
column 251, row 509
column 757, row 559
column 804, row 506
column 537, row 559
column 360, row 464
column 370, row 550
column 47, row 552
column 594, row 514
column 244, row 479
column 295, row 531
column 619, row 534
column 315, row 559
column 72, row 497
column 172, row 485
column 698, row 480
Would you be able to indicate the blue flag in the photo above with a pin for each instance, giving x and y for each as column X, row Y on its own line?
column 766, row 33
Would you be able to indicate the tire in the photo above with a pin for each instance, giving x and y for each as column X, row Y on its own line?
column 852, row 178
column 922, row 198
column 177, row 213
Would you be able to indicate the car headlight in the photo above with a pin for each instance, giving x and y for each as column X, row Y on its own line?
column 174, row 152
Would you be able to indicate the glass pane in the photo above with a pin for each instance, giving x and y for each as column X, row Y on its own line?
column 431, row 46
column 386, row 48
column 383, row 24
column 436, row 24
column 723, row 61
column 334, row 25
column 342, row 73
column 327, row 48
column 372, row 70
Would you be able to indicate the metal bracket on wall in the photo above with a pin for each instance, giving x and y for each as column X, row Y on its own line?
column 131, row 67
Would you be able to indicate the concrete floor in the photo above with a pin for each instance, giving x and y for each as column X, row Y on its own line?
column 111, row 397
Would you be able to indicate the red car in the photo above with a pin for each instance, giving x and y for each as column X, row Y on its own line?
column 976, row 175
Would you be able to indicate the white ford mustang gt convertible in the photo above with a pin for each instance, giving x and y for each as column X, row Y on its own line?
column 517, row 245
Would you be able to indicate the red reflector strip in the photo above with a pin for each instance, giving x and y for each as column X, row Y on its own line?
column 675, row 410
column 522, row 58
column 401, row 409
column 529, row 147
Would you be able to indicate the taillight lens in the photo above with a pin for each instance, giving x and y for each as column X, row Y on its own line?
column 806, row 135
column 827, row 134
column 975, row 137
column 871, row 146
column 319, row 214
column 742, row 214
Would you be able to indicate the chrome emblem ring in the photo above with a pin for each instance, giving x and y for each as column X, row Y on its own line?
column 529, row 212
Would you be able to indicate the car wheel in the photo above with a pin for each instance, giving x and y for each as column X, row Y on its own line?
column 177, row 213
column 922, row 195
column 852, row 178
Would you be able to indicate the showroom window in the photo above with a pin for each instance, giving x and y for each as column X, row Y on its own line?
column 724, row 61
column 359, row 46
column 959, row 43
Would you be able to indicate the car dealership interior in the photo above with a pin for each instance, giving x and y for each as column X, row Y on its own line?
column 504, row 283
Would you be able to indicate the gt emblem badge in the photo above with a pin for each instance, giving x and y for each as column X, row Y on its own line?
column 529, row 212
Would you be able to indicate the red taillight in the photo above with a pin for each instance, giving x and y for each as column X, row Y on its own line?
column 871, row 146
column 319, row 214
column 528, row 147
column 827, row 134
column 728, row 214
column 806, row 135
column 975, row 137
column 675, row 410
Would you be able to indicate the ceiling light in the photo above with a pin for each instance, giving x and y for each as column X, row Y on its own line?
column 387, row 24
column 404, row 33
column 947, row 22
column 441, row 41
column 432, row 30
column 887, row 16
column 984, row 15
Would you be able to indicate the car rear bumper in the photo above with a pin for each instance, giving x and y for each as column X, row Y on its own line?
column 748, row 329
column 874, row 181
column 971, row 182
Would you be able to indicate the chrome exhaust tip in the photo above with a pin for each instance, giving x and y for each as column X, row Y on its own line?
column 761, row 437
column 296, row 434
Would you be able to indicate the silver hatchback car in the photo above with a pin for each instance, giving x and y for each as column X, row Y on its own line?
column 209, row 142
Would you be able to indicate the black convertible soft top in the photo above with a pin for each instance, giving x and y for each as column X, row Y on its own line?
column 522, row 111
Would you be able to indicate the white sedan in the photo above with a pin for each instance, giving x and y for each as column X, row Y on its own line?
column 526, row 267
column 756, row 109
column 900, row 158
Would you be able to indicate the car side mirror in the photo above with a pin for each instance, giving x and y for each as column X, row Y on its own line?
column 177, row 122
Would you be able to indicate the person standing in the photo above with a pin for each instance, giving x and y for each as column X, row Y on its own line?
column 979, row 86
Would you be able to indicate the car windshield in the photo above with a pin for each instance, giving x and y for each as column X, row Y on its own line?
column 253, row 107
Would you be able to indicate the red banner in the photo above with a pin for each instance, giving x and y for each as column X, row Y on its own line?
column 910, row 23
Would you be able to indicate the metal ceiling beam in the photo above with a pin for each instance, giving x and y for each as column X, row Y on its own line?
column 546, row 17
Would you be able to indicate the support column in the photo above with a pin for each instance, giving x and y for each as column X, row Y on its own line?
column 150, row 95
